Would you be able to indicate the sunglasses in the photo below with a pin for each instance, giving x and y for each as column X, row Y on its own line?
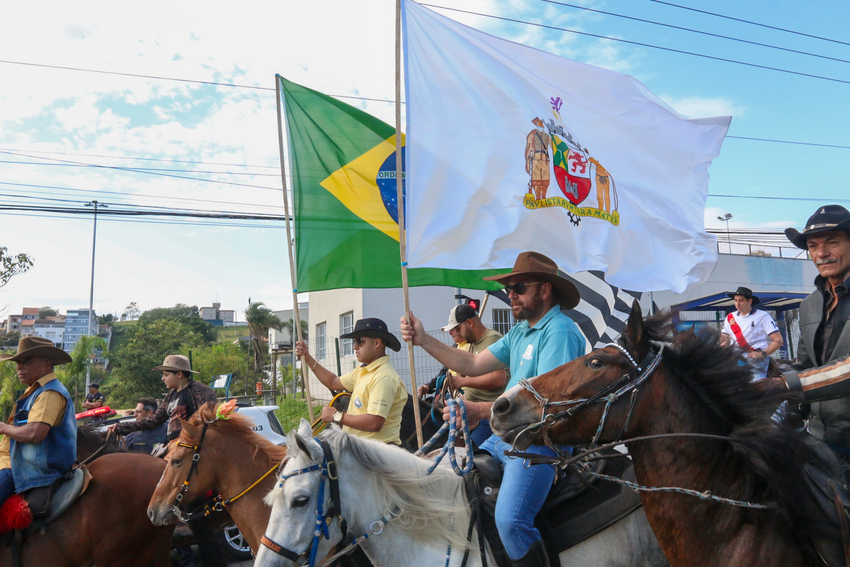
column 520, row 288
column 361, row 340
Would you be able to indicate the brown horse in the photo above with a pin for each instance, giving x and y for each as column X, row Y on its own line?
column 654, row 384
column 107, row 526
column 231, row 459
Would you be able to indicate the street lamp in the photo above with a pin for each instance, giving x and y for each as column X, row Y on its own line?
column 726, row 218
column 94, row 204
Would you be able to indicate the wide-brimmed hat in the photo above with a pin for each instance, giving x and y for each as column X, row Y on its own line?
column 176, row 363
column 746, row 292
column 460, row 313
column 37, row 346
column 534, row 265
column 373, row 328
column 828, row 217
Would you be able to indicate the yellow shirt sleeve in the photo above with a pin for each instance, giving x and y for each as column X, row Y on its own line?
column 48, row 408
column 5, row 453
column 349, row 379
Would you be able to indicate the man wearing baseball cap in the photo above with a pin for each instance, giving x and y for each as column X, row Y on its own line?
column 470, row 334
column 544, row 339
column 183, row 399
column 39, row 441
column 377, row 393
column 822, row 370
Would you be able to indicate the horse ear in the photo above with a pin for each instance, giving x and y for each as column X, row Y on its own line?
column 634, row 334
column 192, row 430
column 304, row 429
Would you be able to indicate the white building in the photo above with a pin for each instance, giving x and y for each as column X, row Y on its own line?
column 217, row 316
column 52, row 328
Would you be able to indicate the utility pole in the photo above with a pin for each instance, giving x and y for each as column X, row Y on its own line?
column 94, row 204
column 726, row 218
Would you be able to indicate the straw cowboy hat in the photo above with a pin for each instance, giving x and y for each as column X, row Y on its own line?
column 37, row 346
column 829, row 217
column 175, row 363
column 373, row 328
column 746, row 292
column 536, row 266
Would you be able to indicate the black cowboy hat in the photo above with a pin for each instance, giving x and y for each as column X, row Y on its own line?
column 38, row 346
column 828, row 217
column 746, row 292
column 535, row 265
column 373, row 328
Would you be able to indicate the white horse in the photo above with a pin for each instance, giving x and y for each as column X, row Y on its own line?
column 428, row 514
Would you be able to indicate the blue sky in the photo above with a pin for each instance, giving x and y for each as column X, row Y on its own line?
column 57, row 124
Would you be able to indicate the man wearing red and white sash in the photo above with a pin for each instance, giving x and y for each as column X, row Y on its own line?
column 753, row 330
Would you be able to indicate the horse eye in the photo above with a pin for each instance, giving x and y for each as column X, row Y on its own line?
column 595, row 363
column 176, row 462
column 300, row 501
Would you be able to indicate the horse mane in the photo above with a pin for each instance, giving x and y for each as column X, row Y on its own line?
column 236, row 426
column 90, row 441
column 431, row 505
column 718, row 384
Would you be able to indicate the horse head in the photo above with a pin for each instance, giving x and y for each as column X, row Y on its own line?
column 586, row 400
column 300, row 493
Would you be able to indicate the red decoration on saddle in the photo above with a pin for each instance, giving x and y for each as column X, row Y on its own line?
column 15, row 514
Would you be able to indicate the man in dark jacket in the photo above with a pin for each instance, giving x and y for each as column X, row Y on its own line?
column 824, row 334
column 144, row 441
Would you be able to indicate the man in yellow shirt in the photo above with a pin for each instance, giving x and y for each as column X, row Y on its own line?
column 39, row 442
column 377, row 394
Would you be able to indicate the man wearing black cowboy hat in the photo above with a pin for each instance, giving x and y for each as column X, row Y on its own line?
column 754, row 331
column 377, row 393
column 544, row 339
column 823, row 351
column 39, row 441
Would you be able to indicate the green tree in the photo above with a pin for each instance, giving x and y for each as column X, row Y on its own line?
column 12, row 265
column 73, row 374
column 131, row 312
column 45, row 312
column 10, row 388
column 222, row 358
column 149, row 344
column 289, row 326
column 105, row 319
column 260, row 319
column 189, row 315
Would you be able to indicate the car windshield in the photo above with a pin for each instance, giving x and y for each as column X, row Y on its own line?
column 275, row 424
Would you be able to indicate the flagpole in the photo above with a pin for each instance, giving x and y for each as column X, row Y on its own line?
column 400, row 197
column 305, row 368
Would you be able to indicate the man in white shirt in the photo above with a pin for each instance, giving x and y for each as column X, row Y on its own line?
column 753, row 330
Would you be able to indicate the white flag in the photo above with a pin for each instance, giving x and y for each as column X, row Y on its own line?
column 513, row 149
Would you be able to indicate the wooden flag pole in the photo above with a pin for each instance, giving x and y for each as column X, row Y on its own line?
column 305, row 369
column 400, row 197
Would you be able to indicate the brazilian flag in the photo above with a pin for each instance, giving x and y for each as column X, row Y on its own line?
column 343, row 166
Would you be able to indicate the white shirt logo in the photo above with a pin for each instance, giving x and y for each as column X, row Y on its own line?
column 357, row 402
column 528, row 351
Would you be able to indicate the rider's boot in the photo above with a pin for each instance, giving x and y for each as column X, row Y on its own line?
column 535, row 557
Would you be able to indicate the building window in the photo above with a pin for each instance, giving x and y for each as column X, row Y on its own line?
column 346, row 325
column 321, row 337
column 503, row 320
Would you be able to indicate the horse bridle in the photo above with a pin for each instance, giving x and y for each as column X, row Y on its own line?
column 330, row 476
column 627, row 384
column 218, row 503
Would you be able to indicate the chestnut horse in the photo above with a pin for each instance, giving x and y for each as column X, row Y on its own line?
column 107, row 526
column 231, row 459
column 715, row 438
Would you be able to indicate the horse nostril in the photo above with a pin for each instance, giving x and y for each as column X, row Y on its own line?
column 150, row 515
column 502, row 405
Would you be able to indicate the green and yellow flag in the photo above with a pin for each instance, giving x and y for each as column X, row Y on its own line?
column 345, row 203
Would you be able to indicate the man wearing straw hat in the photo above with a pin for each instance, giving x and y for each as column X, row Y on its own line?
column 183, row 399
column 544, row 339
column 39, row 442
column 377, row 393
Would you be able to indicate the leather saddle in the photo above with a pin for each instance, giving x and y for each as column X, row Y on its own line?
column 47, row 503
column 579, row 505
column 831, row 502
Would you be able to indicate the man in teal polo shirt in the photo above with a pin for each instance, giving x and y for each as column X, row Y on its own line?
column 544, row 339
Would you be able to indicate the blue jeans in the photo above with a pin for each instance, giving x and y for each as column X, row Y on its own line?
column 481, row 433
column 7, row 485
column 521, row 496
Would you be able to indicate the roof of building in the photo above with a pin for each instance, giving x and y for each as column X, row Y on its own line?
column 30, row 311
column 769, row 301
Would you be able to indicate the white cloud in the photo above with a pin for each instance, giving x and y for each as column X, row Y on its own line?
column 701, row 107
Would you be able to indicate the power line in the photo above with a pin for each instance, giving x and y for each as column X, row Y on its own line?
column 144, row 169
column 132, row 213
column 691, row 30
column 8, row 150
column 641, row 44
column 771, row 198
column 750, row 22
column 143, row 221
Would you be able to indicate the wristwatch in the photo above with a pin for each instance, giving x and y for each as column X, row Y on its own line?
column 338, row 417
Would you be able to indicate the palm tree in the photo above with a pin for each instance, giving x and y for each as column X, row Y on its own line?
column 289, row 327
column 260, row 319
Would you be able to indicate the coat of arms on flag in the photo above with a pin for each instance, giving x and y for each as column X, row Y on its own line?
column 578, row 174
